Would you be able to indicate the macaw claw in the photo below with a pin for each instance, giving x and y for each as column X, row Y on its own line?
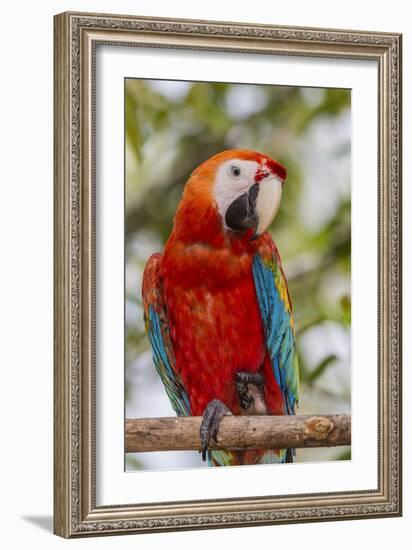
column 209, row 427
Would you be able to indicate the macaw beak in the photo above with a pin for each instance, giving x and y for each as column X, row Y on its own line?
column 241, row 214
column 267, row 203
column 257, row 208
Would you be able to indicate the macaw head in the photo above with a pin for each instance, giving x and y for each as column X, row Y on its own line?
column 248, row 190
column 243, row 188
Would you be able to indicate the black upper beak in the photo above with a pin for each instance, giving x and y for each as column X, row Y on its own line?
column 241, row 214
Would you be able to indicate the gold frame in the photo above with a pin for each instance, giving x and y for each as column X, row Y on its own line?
column 75, row 38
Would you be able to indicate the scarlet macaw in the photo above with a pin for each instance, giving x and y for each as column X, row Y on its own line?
column 216, row 304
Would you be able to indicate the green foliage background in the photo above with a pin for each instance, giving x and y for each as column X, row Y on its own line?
column 171, row 127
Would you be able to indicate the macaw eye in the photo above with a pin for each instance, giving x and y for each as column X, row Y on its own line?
column 235, row 170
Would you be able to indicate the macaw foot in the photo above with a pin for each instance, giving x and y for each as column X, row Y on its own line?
column 249, row 388
column 209, row 427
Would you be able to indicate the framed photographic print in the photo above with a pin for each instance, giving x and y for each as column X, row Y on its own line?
column 227, row 274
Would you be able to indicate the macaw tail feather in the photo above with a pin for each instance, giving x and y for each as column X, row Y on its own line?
column 250, row 457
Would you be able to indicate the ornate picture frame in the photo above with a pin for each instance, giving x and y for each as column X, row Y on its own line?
column 76, row 36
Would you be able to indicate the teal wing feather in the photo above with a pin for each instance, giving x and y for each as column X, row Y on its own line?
column 276, row 310
column 158, row 331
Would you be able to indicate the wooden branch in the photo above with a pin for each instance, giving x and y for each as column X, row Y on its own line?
column 239, row 432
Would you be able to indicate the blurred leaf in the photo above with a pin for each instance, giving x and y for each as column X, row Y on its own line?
column 132, row 127
column 346, row 306
column 321, row 367
column 345, row 455
column 133, row 463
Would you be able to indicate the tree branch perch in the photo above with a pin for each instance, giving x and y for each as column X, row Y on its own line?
column 239, row 432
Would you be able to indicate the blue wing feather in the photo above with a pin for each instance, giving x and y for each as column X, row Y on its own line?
column 173, row 386
column 157, row 327
column 278, row 326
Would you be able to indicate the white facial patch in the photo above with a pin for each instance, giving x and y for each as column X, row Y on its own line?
column 233, row 178
column 268, row 202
